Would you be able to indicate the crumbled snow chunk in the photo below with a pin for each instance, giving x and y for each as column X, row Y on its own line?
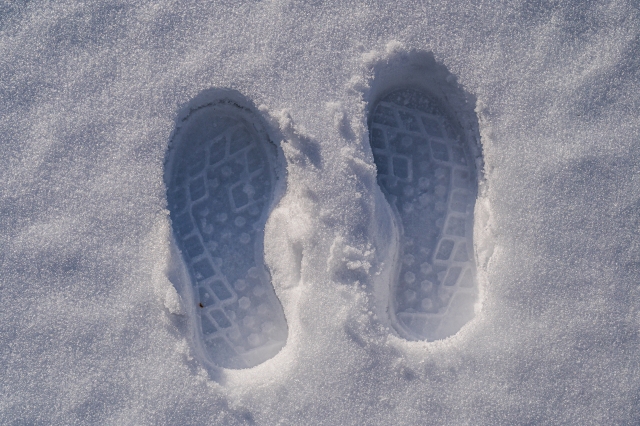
column 172, row 301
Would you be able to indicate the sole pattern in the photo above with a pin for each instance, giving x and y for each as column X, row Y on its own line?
column 220, row 189
column 429, row 180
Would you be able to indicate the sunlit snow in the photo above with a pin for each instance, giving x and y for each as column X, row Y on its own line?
column 427, row 212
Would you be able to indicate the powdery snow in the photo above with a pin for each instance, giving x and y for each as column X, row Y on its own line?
column 94, row 326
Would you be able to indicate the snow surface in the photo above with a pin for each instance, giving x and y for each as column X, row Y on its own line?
column 92, row 329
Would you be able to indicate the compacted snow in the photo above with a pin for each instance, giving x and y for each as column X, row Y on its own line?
column 320, row 213
column 220, row 185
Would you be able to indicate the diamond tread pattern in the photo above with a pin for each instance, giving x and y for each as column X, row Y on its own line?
column 428, row 178
column 221, row 187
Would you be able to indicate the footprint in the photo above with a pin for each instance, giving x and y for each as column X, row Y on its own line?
column 429, row 179
column 220, row 186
